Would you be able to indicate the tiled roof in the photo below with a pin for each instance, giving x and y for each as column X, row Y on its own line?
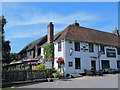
column 32, row 45
column 78, row 33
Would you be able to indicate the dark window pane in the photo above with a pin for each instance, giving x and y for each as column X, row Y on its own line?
column 91, row 47
column 59, row 46
column 118, row 64
column 70, row 64
column 77, row 46
column 33, row 53
column 59, row 65
column 39, row 51
column 77, row 63
column 118, row 50
column 102, row 49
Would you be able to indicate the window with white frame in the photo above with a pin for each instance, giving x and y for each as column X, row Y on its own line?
column 102, row 49
column 91, row 47
column 70, row 64
column 77, row 46
column 59, row 46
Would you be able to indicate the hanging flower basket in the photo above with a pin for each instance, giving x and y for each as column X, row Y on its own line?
column 60, row 60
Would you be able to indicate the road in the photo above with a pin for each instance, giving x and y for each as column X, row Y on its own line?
column 106, row 81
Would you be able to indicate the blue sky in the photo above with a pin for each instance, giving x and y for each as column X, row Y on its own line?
column 27, row 21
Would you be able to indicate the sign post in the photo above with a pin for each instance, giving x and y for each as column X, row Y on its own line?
column 48, row 65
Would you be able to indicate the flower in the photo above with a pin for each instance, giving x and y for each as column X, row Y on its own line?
column 60, row 60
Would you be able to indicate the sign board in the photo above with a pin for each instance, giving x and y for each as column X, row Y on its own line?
column 48, row 65
column 110, row 52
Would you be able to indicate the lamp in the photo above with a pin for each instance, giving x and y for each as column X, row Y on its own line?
column 71, row 51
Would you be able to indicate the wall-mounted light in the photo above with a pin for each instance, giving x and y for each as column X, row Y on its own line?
column 71, row 51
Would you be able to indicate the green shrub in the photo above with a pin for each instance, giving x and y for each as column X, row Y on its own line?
column 47, row 71
column 56, row 74
column 13, row 68
column 40, row 67
column 27, row 68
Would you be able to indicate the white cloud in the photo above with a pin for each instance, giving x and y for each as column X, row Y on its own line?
column 44, row 18
column 25, row 33
column 35, row 18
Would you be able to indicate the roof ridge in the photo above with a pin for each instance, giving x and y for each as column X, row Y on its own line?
column 97, row 30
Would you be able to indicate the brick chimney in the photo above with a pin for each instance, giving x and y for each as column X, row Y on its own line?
column 50, row 35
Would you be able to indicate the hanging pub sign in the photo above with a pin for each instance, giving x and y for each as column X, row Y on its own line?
column 84, row 48
column 110, row 52
column 48, row 65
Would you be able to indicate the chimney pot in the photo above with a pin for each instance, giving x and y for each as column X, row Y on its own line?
column 76, row 23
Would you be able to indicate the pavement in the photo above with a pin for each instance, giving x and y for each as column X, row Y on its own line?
column 106, row 81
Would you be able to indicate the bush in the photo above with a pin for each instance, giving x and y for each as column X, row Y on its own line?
column 13, row 68
column 56, row 74
column 27, row 68
column 40, row 67
column 47, row 71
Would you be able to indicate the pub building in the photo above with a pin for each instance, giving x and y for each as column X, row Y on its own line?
column 77, row 48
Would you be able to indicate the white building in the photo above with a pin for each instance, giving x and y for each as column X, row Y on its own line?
column 80, row 47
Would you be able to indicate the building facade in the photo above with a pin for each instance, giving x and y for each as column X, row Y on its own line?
column 80, row 47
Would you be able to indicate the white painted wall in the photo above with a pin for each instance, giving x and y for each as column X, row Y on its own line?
column 57, row 53
column 84, row 56
column 42, row 52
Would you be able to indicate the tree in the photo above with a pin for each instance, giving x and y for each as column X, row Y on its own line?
column 13, row 57
column 48, row 51
column 5, row 44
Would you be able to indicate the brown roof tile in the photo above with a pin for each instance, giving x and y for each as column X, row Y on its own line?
column 78, row 33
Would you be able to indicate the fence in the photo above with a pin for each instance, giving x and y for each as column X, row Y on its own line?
column 16, row 76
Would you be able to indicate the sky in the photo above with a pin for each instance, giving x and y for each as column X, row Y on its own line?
column 27, row 21
column 59, row 0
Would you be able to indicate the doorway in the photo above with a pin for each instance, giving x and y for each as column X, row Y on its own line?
column 105, row 64
column 93, row 65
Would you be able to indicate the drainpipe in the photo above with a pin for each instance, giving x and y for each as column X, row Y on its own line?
column 98, row 57
column 64, row 55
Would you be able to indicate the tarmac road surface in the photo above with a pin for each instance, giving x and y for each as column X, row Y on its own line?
column 106, row 81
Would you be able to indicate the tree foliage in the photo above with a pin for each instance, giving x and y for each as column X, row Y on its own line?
column 5, row 44
column 48, row 51
column 13, row 57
